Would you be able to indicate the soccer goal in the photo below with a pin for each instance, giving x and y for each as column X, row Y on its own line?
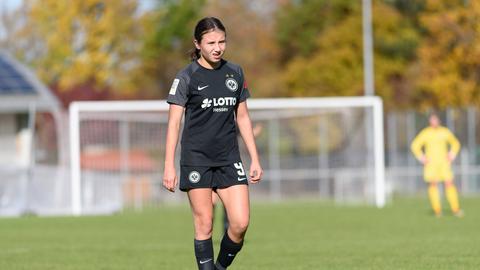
column 327, row 148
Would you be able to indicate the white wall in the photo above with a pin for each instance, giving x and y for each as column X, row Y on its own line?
column 14, row 147
column 7, row 139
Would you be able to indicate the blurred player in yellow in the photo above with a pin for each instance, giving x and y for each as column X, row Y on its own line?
column 436, row 148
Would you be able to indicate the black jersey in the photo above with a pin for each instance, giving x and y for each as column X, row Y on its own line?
column 210, row 97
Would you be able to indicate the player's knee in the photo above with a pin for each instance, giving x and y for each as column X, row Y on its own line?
column 239, row 227
column 203, row 227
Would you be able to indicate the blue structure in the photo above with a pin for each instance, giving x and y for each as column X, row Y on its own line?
column 22, row 96
column 20, row 89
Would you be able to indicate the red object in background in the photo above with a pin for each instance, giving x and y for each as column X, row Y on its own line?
column 111, row 160
column 85, row 91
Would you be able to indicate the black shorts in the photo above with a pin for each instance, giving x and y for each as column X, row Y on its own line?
column 212, row 177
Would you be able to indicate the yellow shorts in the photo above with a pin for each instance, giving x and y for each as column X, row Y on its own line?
column 437, row 172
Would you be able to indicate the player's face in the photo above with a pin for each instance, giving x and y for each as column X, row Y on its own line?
column 212, row 46
column 434, row 121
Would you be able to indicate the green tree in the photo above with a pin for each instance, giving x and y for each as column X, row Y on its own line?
column 169, row 38
column 299, row 23
column 166, row 44
column 335, row 67
column 251, row 42
column 409, row 8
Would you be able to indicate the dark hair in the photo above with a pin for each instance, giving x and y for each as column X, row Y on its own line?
column 434, row 113
column 204, row 26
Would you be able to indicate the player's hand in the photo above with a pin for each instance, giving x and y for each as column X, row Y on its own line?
column 256, row 172
column 451, row 157
column 170, row 179
column 424, row 160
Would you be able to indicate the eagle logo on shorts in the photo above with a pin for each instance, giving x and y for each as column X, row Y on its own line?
column 231, row 84
column 194, row 177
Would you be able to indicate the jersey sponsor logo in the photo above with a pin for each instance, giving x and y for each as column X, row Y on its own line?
column 231, row 84
column 219, row 104
column 194, row 177
column 173, row 89
column 220, row 109
column 200, row 88
column 206, row 103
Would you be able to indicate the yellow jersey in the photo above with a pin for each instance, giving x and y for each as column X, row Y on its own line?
column 435, row 143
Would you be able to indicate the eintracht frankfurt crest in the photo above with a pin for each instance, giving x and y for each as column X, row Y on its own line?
column 231, row 84
column 194, row 177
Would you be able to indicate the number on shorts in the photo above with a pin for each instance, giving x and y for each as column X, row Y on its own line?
column 239, row 167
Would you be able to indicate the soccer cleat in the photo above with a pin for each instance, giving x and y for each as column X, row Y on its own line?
column 459, row 213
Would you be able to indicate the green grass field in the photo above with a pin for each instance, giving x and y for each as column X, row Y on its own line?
column 294, row 235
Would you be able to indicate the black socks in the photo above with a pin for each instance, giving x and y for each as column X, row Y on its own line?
column 228, row 251
column 204, row 254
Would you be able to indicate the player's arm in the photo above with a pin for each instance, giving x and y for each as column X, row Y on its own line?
column 417, row 145
column 454, row 146
column 177, row 98
column 170, row 178
column 245, row 127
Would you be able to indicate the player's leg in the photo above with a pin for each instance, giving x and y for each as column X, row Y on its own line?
column 236, row 201
column 225, row 220
column 237, row 206
column 197, row 182
column 432, row 175
column 451, row 191
column 215, row 201
column 452, row 198
column 434, row 196
column 202, row 210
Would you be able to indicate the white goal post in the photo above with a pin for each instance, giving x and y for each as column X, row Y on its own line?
column 275, row 108
column 334, row 102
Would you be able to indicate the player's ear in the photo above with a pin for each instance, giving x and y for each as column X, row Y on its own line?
column 197, row 44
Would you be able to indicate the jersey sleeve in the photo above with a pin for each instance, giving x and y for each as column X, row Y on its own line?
column 417, row 144
column 245, row 93
column 178, row 93
column 454, row 143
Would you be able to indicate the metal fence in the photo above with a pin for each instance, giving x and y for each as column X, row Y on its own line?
column 321, row 154
column 404, row 172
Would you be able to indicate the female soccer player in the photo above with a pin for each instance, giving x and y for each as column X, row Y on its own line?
column 440, row 147
column 212, row 92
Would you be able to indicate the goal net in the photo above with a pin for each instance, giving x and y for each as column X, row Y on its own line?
column 327, row 148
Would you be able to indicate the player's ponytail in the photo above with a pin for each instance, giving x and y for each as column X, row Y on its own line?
column 204, row 26
column 194, row 54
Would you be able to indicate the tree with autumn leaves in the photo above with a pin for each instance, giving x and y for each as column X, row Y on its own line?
column 449, row 57
column 74, row 43
column 333, row 66
column 426, row 51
